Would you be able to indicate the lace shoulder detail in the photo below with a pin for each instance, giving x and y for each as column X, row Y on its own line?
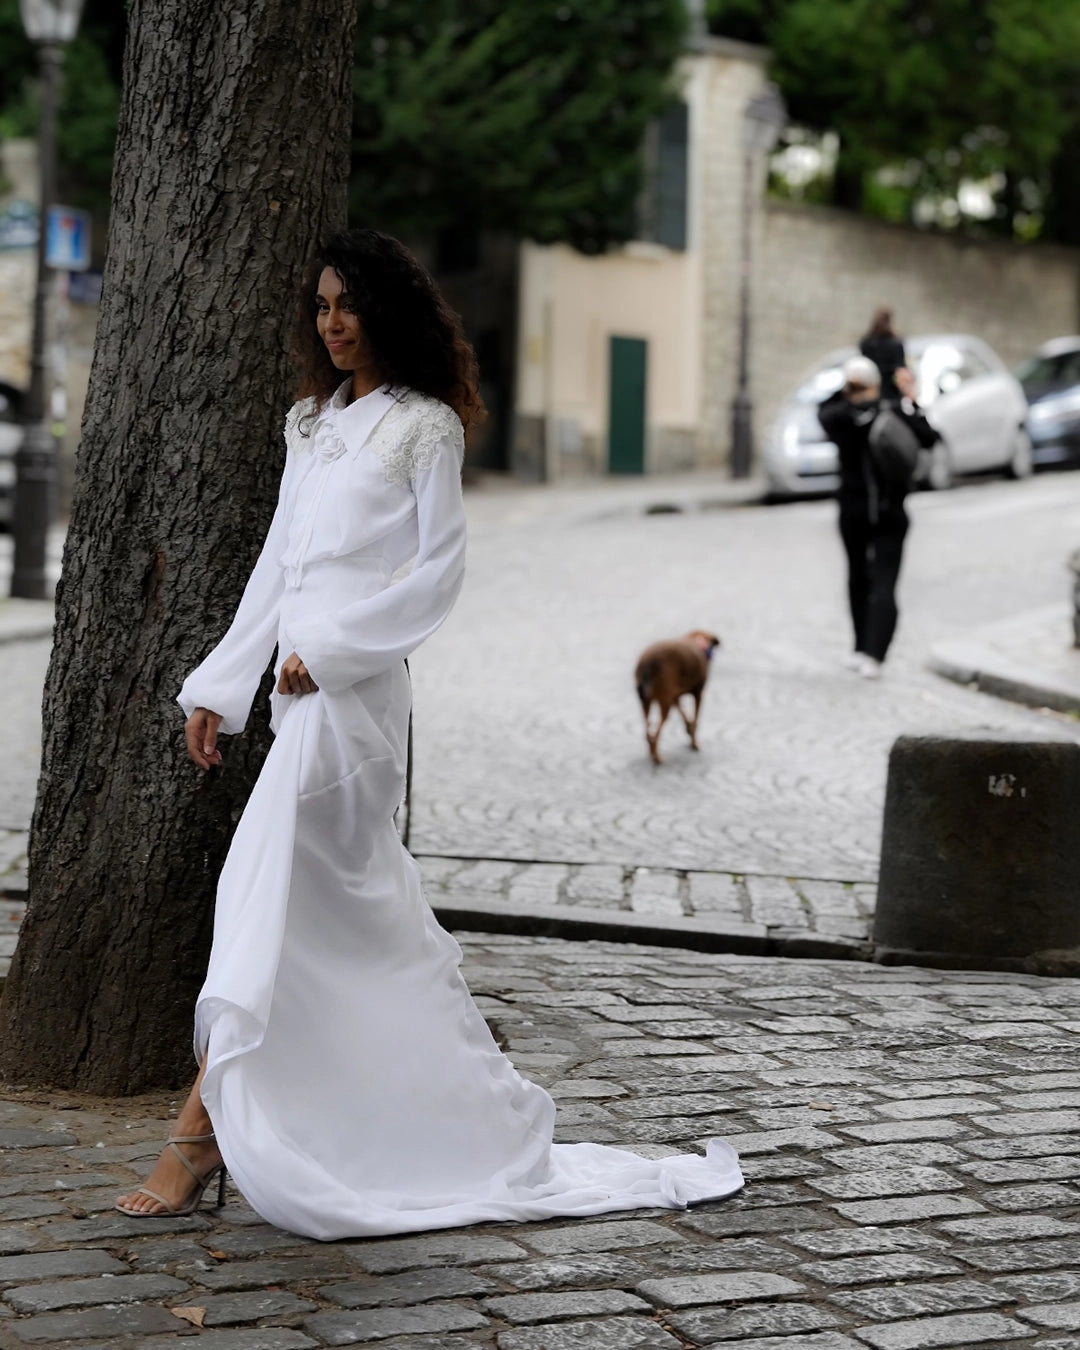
column 407, row 439
column 296, row 414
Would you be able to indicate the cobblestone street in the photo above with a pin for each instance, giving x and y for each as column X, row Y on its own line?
column 911, row 1138
column 911, row 1141
column 529, row 741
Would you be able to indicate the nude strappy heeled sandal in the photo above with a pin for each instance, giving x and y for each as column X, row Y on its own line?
column 197, row 1192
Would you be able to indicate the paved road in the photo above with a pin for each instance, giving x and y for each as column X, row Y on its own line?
column 911, row 1141
column 529, row 743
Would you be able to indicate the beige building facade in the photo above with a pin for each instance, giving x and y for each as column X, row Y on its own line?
column 655, row 328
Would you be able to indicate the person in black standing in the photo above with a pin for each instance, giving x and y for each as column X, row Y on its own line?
column 873, row 521
column 882, row 346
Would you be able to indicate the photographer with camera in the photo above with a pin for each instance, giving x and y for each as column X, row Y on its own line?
column 878, row 440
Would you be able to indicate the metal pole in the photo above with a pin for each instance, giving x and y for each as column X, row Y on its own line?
column 742, row 407
column 35, row 460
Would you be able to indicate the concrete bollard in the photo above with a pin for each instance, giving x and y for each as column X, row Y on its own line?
column 980, row 855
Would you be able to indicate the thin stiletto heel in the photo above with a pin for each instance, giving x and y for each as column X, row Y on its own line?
column 198, row 1190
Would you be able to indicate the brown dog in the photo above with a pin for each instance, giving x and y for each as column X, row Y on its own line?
column 668, row 670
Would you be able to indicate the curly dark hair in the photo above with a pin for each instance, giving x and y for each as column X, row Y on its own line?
column 417, row 339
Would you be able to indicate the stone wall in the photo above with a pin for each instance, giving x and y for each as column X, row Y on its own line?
column 819, row 274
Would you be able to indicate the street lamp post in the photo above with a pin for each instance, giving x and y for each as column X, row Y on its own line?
column 50, row 25
column 763, row 120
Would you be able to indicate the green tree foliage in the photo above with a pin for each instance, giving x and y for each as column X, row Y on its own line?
column 90, row 99
column 947, row 89
column 522, row 115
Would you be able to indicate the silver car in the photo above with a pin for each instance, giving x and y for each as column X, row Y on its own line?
column 11, row 433
column 974, row 403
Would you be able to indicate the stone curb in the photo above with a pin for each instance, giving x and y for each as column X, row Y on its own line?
column 581, row 923
column 985, row 658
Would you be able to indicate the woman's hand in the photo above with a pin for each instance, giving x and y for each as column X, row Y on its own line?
column 201, row 730
column 905, row 382
column 295, row 678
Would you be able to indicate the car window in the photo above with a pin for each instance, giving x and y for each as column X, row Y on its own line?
column 1051, row 372
column 972, row 365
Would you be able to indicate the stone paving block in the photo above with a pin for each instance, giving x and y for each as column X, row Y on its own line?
column 1057, row 1316
column 887, row 1181
column 923, row 1153
column 118, row 1225
column 732, row 1221
column 486, row 876
column 1033, row 1146
column 1060, row 1100
column 14, row 1240
column 1043, row 1254
column 656, row 893
column 596, row 1268
column 1037, row 1196
column 1033, row 1169
column 223, row 1310
column 823, row 1340
column 747, row 1253
column 684, row 1291
column 1030, row 1122
column 257, row 1241
column 713, row 892
column 614, row 1333
column 908, row 1210
column 938, row 1106
column 16, row 1138
column 381, row 1257
column 527, row 1308
column 28, row 1207
column 233, row 1276
column 950, row 1088
column 920, row 1300
column 620, row 1236
column 377, row 1324
column 806, row 1137
column 873, row 1269
column 903, row 1131
column 40, row 1298
column 596, row 882
column 56, row 1265
column 866, row 1241
column 414, row 1286
column 1038, row 1082
column 240, row 1338
column 707, row 1326
column 960, row 1329
column 1008, row 1228
column 1038, row 1286
column 131, row 1319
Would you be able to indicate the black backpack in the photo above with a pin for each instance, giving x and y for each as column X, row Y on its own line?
column 894, row 450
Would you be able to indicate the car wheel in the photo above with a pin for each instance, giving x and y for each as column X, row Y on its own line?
column 1022, row 463
column 939, row 474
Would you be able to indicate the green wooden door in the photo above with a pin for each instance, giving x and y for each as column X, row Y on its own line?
column 626, row 407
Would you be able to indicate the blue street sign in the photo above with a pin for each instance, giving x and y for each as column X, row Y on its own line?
column 67, row 239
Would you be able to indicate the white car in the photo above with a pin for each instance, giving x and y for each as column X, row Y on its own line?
column 973, row 402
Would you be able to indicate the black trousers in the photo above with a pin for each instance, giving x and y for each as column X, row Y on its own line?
column 874, row 550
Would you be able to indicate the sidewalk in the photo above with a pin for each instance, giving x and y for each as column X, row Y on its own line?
column 911, row 1142
column 1028, row 659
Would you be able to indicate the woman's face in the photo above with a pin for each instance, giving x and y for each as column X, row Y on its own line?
column 339, row 325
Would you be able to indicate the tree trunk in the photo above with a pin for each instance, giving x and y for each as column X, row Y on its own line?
column 231, row 159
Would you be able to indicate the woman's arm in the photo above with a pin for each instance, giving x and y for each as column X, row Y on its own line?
column 228, row 679
column 370, row 636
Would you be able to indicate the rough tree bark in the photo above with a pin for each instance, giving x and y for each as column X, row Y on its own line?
column 232, row 158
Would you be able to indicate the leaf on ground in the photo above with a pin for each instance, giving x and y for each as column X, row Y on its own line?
column 218, row 1256
column 196, row 1316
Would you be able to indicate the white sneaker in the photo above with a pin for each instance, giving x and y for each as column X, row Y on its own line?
column 869, row 668
column 852, row 661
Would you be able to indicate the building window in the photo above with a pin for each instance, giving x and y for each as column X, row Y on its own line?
column 663, row 207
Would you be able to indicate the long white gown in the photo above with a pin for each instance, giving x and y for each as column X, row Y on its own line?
column 354, row 1087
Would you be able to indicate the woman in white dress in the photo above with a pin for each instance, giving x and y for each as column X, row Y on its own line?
column 347, row 1079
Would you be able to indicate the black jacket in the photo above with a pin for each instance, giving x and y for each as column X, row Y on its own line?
column 848, row 425
column 887, row 353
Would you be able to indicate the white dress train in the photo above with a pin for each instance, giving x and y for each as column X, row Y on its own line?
column 354, row 1087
